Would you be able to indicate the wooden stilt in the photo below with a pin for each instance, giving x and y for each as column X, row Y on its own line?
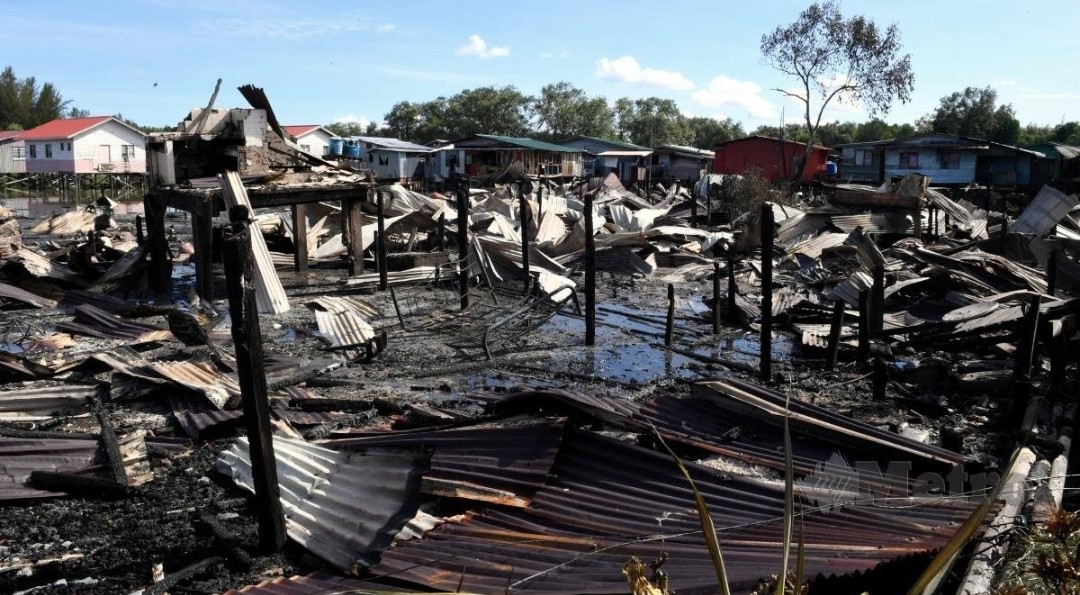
column 523, row 208
column 380, row 240
column 669, row 330
column 766, row 290
column 590, row 274
column 249, row 358
column 202, row 227
column 300, row 231
column 834, row 333
column 864, row 327
column 716, row 298
column 463, row 242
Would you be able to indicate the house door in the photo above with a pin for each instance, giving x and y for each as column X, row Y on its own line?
column 105, row 154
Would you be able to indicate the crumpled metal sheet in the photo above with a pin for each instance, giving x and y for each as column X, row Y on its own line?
column 343, row 507
column 607, row 500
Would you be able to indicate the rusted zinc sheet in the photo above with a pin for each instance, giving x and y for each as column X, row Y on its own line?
column 64, row 224
column 342, row 322
column 341, row 506
column 607, row 500
column 197, row 419
column 220, row 389
column 95, row 322
column 36, row 404
column 269, row 293
column 503, row 464
column 19, row 457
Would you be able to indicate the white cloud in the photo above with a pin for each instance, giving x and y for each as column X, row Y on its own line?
column 725, row 91
column 626, row 69
column 385, row 28
column 352, row 119
column 479, row 48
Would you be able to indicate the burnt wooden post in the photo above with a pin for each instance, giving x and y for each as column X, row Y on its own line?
column 159, row 275
column 864, row 327
column 669, row 330
column 716, row 297
column 732, row 287
column 354, row 226
column 590, row 274
column 247, row 338
column 916, row 220
column 463, row 241
column 139, row 230
column 1025, row 352
column 202, row 226
column 834, row 333
column 539, row 199
column 877, row 301
column 442, row 232
column 766, row 290
column 1052, row 272
column 880, row 379
column 380, row 240
column 523, row 210
column 300, row 231
column 693, row 209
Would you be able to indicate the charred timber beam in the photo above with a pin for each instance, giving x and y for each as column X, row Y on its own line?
column 300, row 231
column 590, row 274
column 239, row 276
column 766, row 290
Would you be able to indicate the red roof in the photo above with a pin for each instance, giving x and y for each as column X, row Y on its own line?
column 63, row 128
column 300, row 129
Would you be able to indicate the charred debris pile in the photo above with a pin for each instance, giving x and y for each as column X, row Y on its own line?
column 435, row 400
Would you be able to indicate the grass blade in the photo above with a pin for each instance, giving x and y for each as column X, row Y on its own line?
column 789, row 499
column 946, row 557
column 707, row 526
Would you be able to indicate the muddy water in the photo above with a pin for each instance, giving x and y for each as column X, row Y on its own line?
column 38, row 206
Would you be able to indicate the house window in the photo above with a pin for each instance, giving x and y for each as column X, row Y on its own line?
column 127, row 152
column 948, row 159
column 48, row 150
column 909, row 160
column 18, row 153
column 305, row 148
column 33, row 151
column 863, row 157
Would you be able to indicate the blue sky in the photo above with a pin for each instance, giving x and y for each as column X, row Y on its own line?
column 154, row 60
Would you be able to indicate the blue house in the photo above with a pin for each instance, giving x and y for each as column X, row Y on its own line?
column 602, row 156
column 947, row 159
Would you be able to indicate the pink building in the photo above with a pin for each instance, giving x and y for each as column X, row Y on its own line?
column 99, row 144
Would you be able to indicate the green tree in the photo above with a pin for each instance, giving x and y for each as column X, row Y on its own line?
column 652, row 122
column 842, row 59
column 563, row 110
column 707, row 133
column 503, row 111
column 974, row 112
column 1067, row 132
column 25, row 104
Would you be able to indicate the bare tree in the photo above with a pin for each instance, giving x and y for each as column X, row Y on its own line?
column 836, row 58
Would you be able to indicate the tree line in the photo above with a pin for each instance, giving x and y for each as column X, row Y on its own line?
column 562, row 110
column 24, row 103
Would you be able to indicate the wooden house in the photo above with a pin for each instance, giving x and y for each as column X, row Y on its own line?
column 602, row 156
column 949, row 160
column 391, row 158
column 677, row 162
column 99, row 144
column 491, row 157
column 1062, row 162
column 12, row 153
column 772, row 158
column 862, row 162
column 311, row 138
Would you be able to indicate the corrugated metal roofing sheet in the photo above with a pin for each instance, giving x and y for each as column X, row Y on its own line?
column 35, row 404
column 220, row 389
column 19, row 457
column 525, row 143
column 607, row 500
column 343, row 507
column 95, row 322
column 318, row 583
column 503, row 464
column 392, row 144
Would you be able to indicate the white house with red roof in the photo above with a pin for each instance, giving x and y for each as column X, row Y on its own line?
column 98, row 144
column 12, row 152
column 312, row 138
